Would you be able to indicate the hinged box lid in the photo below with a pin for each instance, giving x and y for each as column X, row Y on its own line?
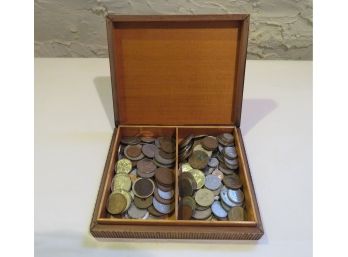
column 177, row 70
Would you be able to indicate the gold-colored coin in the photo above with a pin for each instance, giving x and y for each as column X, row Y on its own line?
column 185, row 167
column 127, row 196
column 204, row 197
column 198, row 177
column 122, row 182
column 200, row 148
column 123, row 166
column 117, row 203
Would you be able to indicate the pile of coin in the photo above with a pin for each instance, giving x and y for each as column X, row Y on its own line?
column 209, row 184
column 144, row 181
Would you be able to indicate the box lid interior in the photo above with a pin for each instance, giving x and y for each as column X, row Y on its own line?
column 177, row 70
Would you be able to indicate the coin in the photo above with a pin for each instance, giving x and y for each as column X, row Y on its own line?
column 165, row 188
column 185, row 187
column 162, row 200
column 188, row 200
column 190, row 177
column 185, row 212
column 122, row 182
column 162, row 208
column 236, row 196
column 231, row 164
column 186, row 141
column 123, row 166
column 162, row 160
column 164, row 194
column 199, row 147
column 198, row 159
column 148, row 139
column 210, row 143
column 202, row 215
column 146, row 166
column 218, row 173
column 224, row 169
column 236, row 214
column 232, row 181
column 165, row 155
column 154, row 212
column 218, row 210
column 143, row 203
column 164, row 176
column 149, row 150
column 186, row 167
column 116, row 203
column 143, row 187
column 213, row 162
column 133, row 151
column 212, row 182
column 136, row 213
column 230, row 152
column 130, row 140
column 224, row 197
column 204, row 197
column 168, row 146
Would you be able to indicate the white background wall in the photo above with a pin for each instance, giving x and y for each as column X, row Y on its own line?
column 279, row 29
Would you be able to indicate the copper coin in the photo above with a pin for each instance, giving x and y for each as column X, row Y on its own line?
column 143, row 187
column 190, row 177
column 199, row 160
column 168, row 146
column 130, row 140
column 165, row 188
column 148, row 139
column 232, row 181
column 210, row 143
column 133, row 151
column 145, row 175
column 161, row 200
column 164, row 176
column 185, row 212
column 185, row 187
column 165, row 155
column 154, row 212
column 146, row 166
column 143, row 203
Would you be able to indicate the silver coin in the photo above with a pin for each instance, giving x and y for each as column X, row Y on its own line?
column 228, row 137
column 225, row 206
column 231, row 164
column 165, row 195
column 224, row 197
column 202, row 215
column 136, row 213
column 230, row 152
column 162, row 208
column 213, row 162
column 217, row 191
column 236, row 196
column 218, row 210
column 162, row 160
column 212, row 182
column 149, row 150
column 221, row 148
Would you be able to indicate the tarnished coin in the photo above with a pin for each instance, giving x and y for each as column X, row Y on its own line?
column 204, row 197
column 149, row 150
column 162, row 208
column 213, row 162
column 210, row 143
column 236, row 214
column 198, row 177
column 122, row 182
column 164, row 176
column 168, row 146
column 133, row 152
column 143, row 203
column 232, row 181
column 148, row 139
column 154, row 212
column 190, row 177
column 143, row 187
column 236, row 196
column 146, row 166
column 162, row 200
column 123, row 166
column 186, row 141
column 185, row 212
column 136, row 213
column 224, row 197
column 212, row 182
column 117, row 203
column 162, row 160
column 230, row 152
column 186, row 167
column 199, row 147
column 218, row 210
column 185, row 187
column 231, row 164
column 199, row 159
column 224, row 169
column 218, row 173
column 165, row 188
column 188, row 200
column 202, row 215
column 130, row 140
column 165, row 155
column 226, row 139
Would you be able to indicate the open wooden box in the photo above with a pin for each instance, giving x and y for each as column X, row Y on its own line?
column 172, row 76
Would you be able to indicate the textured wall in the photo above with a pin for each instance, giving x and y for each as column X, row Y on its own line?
column 280, row 29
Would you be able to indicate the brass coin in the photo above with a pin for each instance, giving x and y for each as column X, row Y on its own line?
column 143, row 203
column 188, row 200
column 117, row 203
column 236, row 214
column 199, row 159
column 164, row 176
column 198, row 177
column 232, row 181
column 122, row 182
column 186, row 167
column 199, row 147
column 143, row 187
column 204, row 197
column 210, row 143
column 123, row 166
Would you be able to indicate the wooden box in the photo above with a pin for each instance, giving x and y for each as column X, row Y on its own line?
column 176, row 75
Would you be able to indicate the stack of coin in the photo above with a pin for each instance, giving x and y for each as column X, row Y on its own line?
column 143, row 186
column 209, row 184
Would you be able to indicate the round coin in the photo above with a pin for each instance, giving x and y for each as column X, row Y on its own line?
column 236, row 214
column 212, row 182
column 165, row 195
column 162, row 208
column 146, row 166
column 136, row 213
column 161, row 200
column 185, row 187
column 154, row 212
column 236, row 196
column 130, row 140
column 186, row 167
column 143, row 203
column 122, row 182
column 232, row 181
column 143, row 187
column 218, row 173
column 117, row 203
column 185, row 212
column 199, row 159
column 213, row 162
column 168, row 146
column 198, row 177
column 186, row 141
column 230, row 152
column 202, row 215
column 149, row 150
column 210, row 143
column 123, row 166
column 218, row 210
column 147, row 139
column 164, row 176
column 204, row 197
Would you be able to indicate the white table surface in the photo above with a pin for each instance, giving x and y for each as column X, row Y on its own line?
column 73, row 128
